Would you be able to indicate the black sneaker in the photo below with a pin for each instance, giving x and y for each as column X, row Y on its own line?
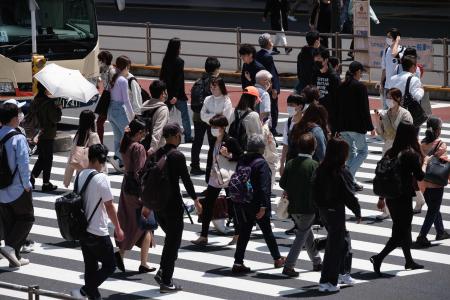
column 277, row 134
column 290, row 231
column 358, row 187
column 317, row 268
column 275, row 51
column 442, row 236
column 288, row 50
column 188, row 141
column 171, row 288
column 197, row 172
column 240, row 269
column 290, row 272
column 119, row 261
column 48, row 187
column 422, row 242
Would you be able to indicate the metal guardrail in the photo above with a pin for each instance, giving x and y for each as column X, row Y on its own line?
column 336, row 39
column 34, row 292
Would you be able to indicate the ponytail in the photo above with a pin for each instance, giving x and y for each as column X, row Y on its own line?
column 348, row 77
column 133, row 128
column 434, row 126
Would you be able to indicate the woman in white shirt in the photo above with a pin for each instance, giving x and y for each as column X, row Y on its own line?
column 218, row 103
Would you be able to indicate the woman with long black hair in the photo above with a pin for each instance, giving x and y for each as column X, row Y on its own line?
column 86, row 136
column 333, row 190
column 130, row 204
column 407, row 149
column 172, row 73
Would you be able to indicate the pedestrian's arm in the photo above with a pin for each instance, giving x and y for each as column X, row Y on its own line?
column 159, row 123
column 205, row 114
column 112, row 214
column 266, row 183
column 416, row 89
column 366, row 109
column 179, row 79
column 373, row 16
column 228, row 109
column 180, row 162
column 123, row 86
column 321, row 143
column 22, row 160
column 137, row 96
column 351, row 201
column 395, row 47
column 284, row 177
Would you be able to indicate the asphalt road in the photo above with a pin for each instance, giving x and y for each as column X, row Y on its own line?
column 205, row 273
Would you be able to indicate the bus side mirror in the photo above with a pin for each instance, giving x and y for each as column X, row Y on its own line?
column 120, row 5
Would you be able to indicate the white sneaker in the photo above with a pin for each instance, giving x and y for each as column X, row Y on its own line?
column 328, row 288
column 76, row 293
column 10, row 254
column 115, row 164
column 23, row 262
column 346, row 279
column 292, row 18
column 383, row 216
column 27, row 248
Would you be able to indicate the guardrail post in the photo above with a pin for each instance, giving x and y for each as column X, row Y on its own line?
column 30, row 293
column 238, row 45
column 338, row 42
column 445, row 57
column 36, row 288
column 148, row 39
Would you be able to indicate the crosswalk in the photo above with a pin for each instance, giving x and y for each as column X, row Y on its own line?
column 205, row 273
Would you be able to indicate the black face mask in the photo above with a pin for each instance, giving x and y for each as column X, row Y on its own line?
column 318, row 64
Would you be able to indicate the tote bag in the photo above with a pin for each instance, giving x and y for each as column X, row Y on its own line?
column 79, row 156
column 282, row 208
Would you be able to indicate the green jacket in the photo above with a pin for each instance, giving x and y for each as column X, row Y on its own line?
column 296, row 181
column 48, row 115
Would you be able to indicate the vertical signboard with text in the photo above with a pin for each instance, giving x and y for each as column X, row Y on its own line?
column 361, row 30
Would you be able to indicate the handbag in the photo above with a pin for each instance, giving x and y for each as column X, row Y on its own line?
column 415, row 109
column 78, row 158
column 282, row 208
column 225, row 169
column 147, row 224
column 103, row 104
column 437, row 170
column 131, row 185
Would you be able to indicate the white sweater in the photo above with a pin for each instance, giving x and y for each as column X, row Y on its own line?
column 216, row 106
column 415, row 86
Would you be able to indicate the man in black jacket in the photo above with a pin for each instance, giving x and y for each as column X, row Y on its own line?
column 258, row 210
column 305, row 61
column 171, row 217
column 353, row 118
column 327, row 81
column 265, row 58
column 250, row 66
column 212, row 69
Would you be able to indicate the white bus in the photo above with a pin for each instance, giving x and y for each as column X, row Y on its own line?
column 66, row 35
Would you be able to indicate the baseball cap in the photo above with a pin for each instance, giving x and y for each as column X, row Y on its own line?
column 14, row 101
column 356, row 66
column 263, row 39
column 171, row 129
column 251, row 90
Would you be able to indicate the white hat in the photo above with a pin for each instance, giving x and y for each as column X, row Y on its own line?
column 14, row 101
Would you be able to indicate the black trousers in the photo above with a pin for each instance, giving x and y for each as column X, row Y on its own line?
column 274, row 113
column 200, row 128
column 335, row 250
column 402, row 214
column 208, row 207
column 17, row 218
column 246, row 217
column 172, row 224
column 96, row 249
column 44, row 161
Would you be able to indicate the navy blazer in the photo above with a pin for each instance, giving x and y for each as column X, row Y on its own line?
column 265, row 58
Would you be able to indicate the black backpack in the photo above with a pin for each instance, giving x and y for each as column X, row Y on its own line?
column 6, row 174
column 72, row 221
column 387, row 182
column 199, row 91
column 237, row 129
column 155, row 183
column 144, row 94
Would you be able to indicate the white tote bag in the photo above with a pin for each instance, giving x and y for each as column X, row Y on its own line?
column 282, row 208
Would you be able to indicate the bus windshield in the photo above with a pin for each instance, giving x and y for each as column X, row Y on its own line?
column 56, row 20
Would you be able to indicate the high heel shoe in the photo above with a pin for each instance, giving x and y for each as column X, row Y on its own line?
column 144, row 269
column 376, row 265
column 119, row 261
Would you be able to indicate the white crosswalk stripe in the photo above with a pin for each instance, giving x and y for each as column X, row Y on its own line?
column 58, row 264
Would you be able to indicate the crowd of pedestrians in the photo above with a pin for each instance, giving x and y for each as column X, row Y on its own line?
column 323, row 146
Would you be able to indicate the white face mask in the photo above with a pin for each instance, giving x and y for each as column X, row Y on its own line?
column 390, row 103
column 389, row 41
column 291, row 111
column 215, row 132
column 21, row 117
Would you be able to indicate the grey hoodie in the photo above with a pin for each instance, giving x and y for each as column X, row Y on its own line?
column 159, row 120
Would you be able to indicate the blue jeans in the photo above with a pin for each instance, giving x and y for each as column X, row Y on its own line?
column 433, row 198
column 182, row 106
column 358, row 149
column 118, row 119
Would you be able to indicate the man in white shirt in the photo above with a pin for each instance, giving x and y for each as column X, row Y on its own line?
column 263, row 84
column 390, row 60
column 409, row 65
column 96, row 244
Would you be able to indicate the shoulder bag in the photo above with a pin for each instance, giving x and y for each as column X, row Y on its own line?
column 79, row 156
column 437, row 170
column 415, row 109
